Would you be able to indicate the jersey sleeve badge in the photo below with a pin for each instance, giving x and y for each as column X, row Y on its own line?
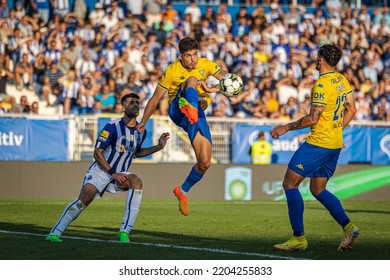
column 104, row 135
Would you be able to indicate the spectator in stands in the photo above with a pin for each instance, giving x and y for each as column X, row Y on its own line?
column 5, row 73
column 70, row 93
column 25, row 26
column 97, row 15
column 3, row 110
column 363, row 107
column 24, row 73
column 23, row 102
column 116, row 10
column 382, row 13
column 43, row 8
column 84, row 65
column 276, row 11
column 4, row 9
column 40, row 66
column 135, row 9
column 107, row 99
column 61, row 7
column 52, row 82
column 12, row 21
column 34, row 108
column 87, row 92
column 153, row 11
column 381, row 111
column 52, row 52
column 292, row 107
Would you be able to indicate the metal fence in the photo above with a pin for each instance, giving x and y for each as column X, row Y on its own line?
column 178, row 148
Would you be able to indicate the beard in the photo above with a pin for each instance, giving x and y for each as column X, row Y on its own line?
column 318, row 66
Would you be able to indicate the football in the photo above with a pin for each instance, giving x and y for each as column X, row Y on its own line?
column 231, row 85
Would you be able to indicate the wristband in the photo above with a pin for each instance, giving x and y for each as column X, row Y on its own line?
column 111, row 171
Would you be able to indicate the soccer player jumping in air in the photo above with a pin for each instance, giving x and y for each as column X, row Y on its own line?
column 188, row 96
column 115, row 148
column 333, row 107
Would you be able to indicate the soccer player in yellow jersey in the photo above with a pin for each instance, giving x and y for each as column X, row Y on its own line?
column 332, row 108
column 188, row 96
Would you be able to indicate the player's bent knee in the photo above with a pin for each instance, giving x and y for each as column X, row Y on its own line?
column 87, row 194
column 288, row 186
column 135, row 182
column 203, row 166
column 192, row 82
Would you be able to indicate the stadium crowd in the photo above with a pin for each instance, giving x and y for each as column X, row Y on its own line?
column 88, row 59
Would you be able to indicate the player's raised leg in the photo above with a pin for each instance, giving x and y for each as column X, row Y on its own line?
column 188, row 102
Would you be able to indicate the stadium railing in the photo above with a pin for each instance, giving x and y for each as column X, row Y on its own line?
column 83, row 131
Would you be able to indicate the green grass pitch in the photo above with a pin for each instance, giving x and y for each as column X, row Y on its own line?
column 214, row 230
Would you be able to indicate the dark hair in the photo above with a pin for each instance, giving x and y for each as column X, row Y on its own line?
column 260, row 134
column 187, row 44
column 129, row 95
column 331, row 53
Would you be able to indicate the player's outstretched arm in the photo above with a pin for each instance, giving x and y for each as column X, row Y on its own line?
column 151, row 107
column 309, row 120
column 162, row 141
column 221, row 73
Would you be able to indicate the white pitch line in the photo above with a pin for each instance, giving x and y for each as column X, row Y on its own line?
column 212, row 250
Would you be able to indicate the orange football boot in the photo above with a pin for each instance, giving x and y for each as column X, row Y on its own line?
column 183, row 205
column 188, row 110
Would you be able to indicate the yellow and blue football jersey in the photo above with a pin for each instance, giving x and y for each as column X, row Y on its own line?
column 176, row 74
column 330, row 90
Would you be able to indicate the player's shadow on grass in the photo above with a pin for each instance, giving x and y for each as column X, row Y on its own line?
column 319, row 248
column 23, row 228
column 352, row 210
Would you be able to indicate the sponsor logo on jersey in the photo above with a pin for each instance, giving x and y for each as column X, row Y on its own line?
column 182, row 78
column 104, row 135
column 319, row 95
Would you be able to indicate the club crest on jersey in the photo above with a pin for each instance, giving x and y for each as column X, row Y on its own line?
column 128, row 149
column 104, row 135
column 201, row 72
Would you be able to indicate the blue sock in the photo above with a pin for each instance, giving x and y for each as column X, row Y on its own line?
column 193, row 178
column 192, row 96
column 295, row 211
column 332, row 203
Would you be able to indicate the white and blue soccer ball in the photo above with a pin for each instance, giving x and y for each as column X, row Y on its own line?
column 231, row 85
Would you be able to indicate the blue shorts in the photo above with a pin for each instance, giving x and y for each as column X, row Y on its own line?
column 313, row 161
column 181, row 120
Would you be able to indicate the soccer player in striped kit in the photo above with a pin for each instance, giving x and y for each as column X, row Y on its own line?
column 118, row 143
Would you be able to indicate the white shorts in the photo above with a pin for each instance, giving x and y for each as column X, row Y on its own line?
column 102, row 180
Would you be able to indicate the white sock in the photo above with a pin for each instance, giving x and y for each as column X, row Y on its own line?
column 134, row 198
column 71, row 212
